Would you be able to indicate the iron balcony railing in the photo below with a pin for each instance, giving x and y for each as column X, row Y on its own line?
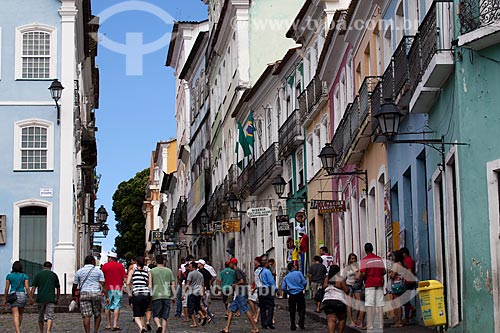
column 290, row 134
column 415, row 71
column 375, row 103
column 216, row 199
column 231, row 180
column 180, row 213
column 339, row 138
column 265, row 165
column 387, row 89
column 401, row 68
column 365, row 93
column 311, row 96
column 354, row 124
column 475, row 14
column 171, row 221
column 244, row 180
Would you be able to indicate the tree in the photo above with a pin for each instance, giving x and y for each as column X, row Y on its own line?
column 127, row 206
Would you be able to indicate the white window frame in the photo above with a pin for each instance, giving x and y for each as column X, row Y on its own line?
column 492, row 176
column 309, row 156
column 19, row 50
column 300, row 167
column 18, row 126
column 316, row 147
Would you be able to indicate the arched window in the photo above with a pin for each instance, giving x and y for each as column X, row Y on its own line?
column 310, row 157
column 269, row 121
column 278, row 111
column 35, row 52
column 34, row 145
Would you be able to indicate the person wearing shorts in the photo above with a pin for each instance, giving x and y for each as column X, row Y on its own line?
column 334, row 301
column 194, row 290
column 90, row 281
column 139, row 279
column 240, row 302
column 49, row 291
column 372, row 270
column 162, row 283
column 114, row 276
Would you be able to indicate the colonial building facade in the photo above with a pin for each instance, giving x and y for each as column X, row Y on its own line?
column 48, row 184
column 333, row 76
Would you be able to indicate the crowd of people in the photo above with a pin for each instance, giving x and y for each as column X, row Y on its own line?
column 344, row 295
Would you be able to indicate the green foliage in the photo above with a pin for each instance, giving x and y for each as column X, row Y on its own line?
column 127, row 206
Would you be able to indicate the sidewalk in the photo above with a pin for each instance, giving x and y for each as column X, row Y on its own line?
column 414, row 327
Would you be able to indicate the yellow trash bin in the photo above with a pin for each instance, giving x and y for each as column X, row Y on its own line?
column 432, row 302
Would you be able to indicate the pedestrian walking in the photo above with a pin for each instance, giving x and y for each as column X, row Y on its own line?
column 180, row 281
column 253, row 296
column 294, row 285
column 162, row 283
column 372, row 270
column 131, row 267
column 334, row 300
column 326, row 256
column 89, row 280
column 138, row 279
column 208, row 278
column 185, row 271
column 355, row 306
column 411, row 284
column 46, row 283
column 317, row 274
column 266, row 297
column 225, row 282
column 240, row 302
column 398, row 287
column 194, row 290
column 17, row 282
column 114, row 278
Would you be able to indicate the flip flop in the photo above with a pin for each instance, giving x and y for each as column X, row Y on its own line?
column 116, row 329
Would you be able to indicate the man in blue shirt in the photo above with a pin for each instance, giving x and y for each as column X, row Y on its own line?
column 266, row 297
column 294, row 284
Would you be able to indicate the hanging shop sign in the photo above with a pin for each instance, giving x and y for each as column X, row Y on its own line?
column 95, row 227
column 230, row 225
column 300, row 217
column 256, row 212
column 329, row 206
column 283, row 225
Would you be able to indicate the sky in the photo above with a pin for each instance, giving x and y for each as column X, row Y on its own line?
column 137, row 91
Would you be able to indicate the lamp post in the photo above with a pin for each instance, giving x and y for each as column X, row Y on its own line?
column 329, row 157
column 279, row 186
column 56, row 89
column 389, row 119
column 204, row 219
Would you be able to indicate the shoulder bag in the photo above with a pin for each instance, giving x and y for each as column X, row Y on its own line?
column 77, row 291
column 12, row 297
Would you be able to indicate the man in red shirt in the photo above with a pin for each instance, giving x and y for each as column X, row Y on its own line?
column 410, row 284
column 114, row 278
column 373, row 271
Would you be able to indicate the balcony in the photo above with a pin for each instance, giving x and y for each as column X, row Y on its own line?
column 430, row 58
column 216, row 200
column 290, row 134
column 341, row 133
column 402, row 73
column 180, row 215
column 312, row 99
column 361, row 130
column 244, row 181
column 231, row 180
column 479, row 23
column 171, row 223
column 267, row 167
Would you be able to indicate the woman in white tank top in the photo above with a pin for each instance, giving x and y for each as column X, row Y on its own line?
column 334, row 301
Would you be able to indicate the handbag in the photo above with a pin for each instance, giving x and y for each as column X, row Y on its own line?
column 320, row 294
column 12, row 297
column 398, row 286
column 358, row 284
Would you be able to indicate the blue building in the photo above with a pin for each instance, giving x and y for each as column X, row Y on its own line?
column 48, row 155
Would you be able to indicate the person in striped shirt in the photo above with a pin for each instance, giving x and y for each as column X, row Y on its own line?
column 138, row 279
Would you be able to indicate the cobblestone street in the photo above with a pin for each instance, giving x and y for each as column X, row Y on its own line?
column 72, row 322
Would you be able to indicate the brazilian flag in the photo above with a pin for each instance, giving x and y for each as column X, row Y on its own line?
column 250, row 129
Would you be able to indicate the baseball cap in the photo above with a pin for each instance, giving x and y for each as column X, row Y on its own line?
column 112, row 255
column 201, row 261
column 233, row 261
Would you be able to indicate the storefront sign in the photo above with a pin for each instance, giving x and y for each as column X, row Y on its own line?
column 256, row 212
column 196, row 197
column 283, row 225
column 95, row 227
column 329, row 206
column 231, row 225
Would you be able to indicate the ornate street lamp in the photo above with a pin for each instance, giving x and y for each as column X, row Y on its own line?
column 328, row 157
column 279, row 186
column 56, row 89
column 388, row 117
column 233, row 201
column 102, row 214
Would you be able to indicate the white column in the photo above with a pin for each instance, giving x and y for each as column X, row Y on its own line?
column 65, row 251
